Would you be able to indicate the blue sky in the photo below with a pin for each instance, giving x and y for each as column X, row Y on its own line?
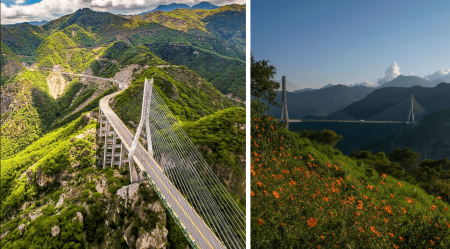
column 315, row 43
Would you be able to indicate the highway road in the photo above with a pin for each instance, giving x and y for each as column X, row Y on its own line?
column 197, row 228
column 121, row 84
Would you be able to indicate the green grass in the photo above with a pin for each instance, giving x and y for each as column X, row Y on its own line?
column 308, row 195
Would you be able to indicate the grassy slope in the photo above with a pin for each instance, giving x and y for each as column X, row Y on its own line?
column 308, row 195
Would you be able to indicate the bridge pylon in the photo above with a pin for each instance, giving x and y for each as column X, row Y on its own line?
column 145, row 115
column 284, row 103
column 411, row 112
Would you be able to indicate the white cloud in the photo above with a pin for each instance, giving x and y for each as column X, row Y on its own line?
column 411, row 74
column 391, row 73
column 49, row 10
column 443, row 74
column 366, row 83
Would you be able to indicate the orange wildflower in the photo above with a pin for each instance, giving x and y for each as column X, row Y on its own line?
column 408, row 200
column 275, row 193
column 252, row 193
column 401, row 238
column 386, row 220
column 292, row 183
column 259, row 222
column 433, row 207
column 259, row 183
column 399, row 184
column 312, row 222
column 392, row 195
column 392, row 235
column 445, row 208
column 383, row 175
column 322, row 237
column 396, row 247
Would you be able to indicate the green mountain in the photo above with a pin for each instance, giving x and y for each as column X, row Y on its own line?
column 22, row 39
column 321, row 102
column 409, row 81
column 72, row 41
column 52, row 189
column 432, row 99
column 430, row 138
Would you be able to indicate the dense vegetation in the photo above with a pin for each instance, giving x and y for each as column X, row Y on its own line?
column 227, row 22
column 34, row 112
column 185, row 93
column 225, row 73
column 50, row 153
column 311, row 196
column 220, row 138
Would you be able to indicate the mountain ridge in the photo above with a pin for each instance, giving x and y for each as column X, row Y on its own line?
column 174, row 6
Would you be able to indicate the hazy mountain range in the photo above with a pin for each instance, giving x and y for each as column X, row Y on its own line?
column 321, row 102
column 174, row 6
column 399, row 81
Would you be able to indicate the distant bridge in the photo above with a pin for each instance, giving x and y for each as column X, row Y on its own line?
column 403, row 112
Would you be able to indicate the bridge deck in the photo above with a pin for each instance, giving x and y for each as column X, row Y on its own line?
column 194, row 224
column 346, row 121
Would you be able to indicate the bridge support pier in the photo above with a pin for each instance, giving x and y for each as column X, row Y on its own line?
column 114, row 151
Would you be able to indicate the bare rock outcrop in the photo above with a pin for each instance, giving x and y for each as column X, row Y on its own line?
column 57, row 84
column 61, row 200
column 43, row 179
column 156, row 239
column 55, row 231
column 78, row 217
column 127, row 192
column 21, row 228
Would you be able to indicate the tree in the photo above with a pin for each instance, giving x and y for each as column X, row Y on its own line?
column 326, row 137
column 406, row 157
column 262, row 83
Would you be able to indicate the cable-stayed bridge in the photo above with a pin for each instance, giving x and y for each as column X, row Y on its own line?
column 165, row 156
column 307, row 109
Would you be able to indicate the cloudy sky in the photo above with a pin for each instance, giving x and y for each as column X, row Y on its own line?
column 315, row 43
column 18, row 11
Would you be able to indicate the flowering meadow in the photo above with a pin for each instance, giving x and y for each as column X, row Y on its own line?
column 305, row 194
